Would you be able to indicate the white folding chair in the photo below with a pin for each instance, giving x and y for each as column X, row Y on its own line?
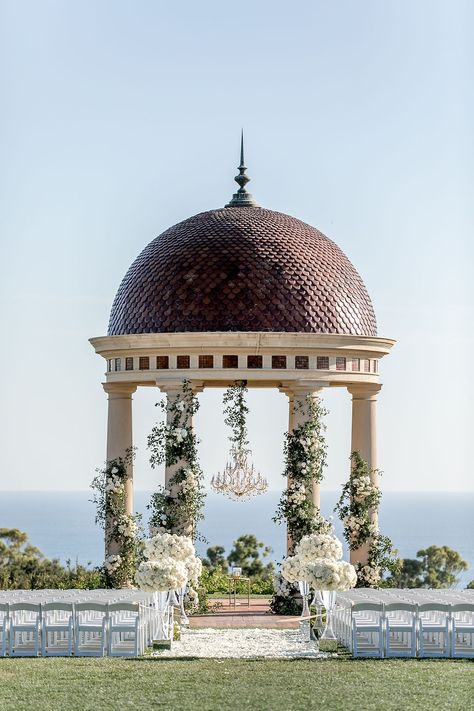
column 462, row 629
column 400, row 629
column 57, row 629
column 434, row 630
column 4, row 624
column 90, row 629
column 24, row 632
column 127, row 629
column 367, row 629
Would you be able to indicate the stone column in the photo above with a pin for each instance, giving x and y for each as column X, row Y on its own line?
column 298, row 392
column 120, row 439
column 173, row 390
column 364, row 441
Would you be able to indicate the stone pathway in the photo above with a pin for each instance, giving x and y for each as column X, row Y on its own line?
column 242, row 644
column 242, row 615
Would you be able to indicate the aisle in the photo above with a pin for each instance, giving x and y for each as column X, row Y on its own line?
column 242, row 644
column 256, row 615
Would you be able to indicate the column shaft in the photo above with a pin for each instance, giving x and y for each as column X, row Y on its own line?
column 364, row 441
column 120, row 440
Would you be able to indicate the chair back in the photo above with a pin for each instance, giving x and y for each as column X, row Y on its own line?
column 363, row 606
column 30, row 606
column 65, row 606
column 124, row 606
column 93, row 606
column 463, row 607
column 404, row 606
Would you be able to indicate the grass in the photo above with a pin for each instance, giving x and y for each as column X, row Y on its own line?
column 145, row 684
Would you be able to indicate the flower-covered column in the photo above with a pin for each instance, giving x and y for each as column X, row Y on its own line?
column 305, row 457
column 182, row 491
column 120, row 444
column 300, row 415
column 364, row 441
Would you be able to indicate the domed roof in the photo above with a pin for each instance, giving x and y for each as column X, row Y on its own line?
column 242, row 268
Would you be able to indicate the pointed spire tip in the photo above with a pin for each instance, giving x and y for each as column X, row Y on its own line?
column 242, row 198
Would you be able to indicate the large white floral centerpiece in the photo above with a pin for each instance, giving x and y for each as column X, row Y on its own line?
column 170, row 563
column 317, row 561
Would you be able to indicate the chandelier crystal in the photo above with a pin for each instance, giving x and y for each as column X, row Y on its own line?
column 239, row 480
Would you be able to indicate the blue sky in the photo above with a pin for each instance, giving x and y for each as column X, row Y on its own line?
column 120, row 119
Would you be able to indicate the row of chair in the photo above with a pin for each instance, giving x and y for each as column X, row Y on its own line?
column 401, row 629
column 89, row 628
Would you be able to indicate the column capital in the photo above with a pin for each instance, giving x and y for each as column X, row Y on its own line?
column 120, row 390
column 301, row 388
column 173, row 386
column 364, row 391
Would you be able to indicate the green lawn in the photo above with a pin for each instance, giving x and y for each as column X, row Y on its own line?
column 341, row 684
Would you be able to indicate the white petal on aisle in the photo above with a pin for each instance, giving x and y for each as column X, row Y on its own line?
column 241, row 644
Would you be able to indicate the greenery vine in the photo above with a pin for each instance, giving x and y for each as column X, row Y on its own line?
column 178, row 508
column 236, row 412
column 305, row 452
column 122, row 531
column 305, row 458
column 359, row 498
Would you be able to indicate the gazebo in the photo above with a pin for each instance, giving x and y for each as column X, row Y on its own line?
column 243, row 293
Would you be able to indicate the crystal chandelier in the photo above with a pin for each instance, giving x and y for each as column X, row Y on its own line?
column 239, row 480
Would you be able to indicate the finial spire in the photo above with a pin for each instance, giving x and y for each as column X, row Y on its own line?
column 242, row 198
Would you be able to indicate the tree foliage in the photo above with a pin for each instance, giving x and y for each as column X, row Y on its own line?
column 246, row 555
column 434, row 567
column 216, row 559
column 24, row 567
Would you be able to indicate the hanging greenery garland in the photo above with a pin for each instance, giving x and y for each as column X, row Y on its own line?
column 122, row 530
column 236, row 412
column 178, row 508
column 359, row 497
column 305, row 458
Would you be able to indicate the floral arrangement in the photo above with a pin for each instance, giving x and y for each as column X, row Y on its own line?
column 294, row 568
column 316, row 562
column 168, row 545
column 178, row 507
column 329, row 574
column 319, row 545
column 305, row 458
column 359, row 498
column 161, row 575
column 170, row 563
column 122, row 530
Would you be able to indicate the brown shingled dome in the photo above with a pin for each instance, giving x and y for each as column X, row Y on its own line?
column 242, row 269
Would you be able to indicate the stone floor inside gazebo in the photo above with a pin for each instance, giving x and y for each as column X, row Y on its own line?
column 257, row 614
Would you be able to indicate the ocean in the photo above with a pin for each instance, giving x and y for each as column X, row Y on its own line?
column 61, row 524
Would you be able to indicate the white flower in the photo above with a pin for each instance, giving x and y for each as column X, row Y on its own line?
column 328, row 574
column 319, row 545
column 127, row 526
column 161, row 575
column 180, row 406
column 194, row 568
column 114, row 470
column 112, row 563
column 369, row 575
column 294, row 569
column 169, row 545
